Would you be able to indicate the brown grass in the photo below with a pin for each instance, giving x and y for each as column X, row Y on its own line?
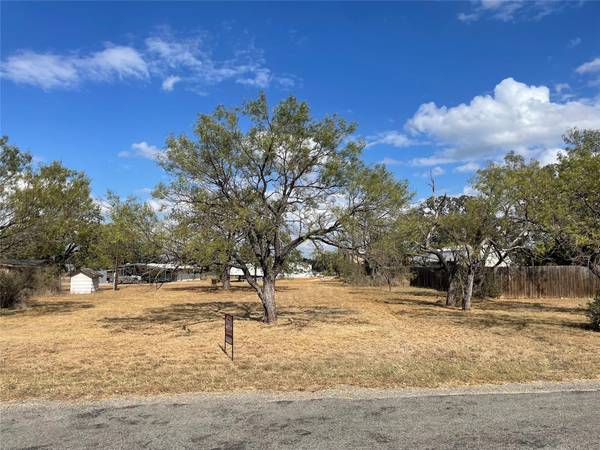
column 329, row 334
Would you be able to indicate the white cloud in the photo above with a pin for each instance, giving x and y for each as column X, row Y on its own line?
column 169, row 83
column 589, row 67
column 103, row 204
column 559, row 87
column 470, row 166
column 49, row 71
column 120, row 62
column 512, row 10
column 142, row 150
column 173, row 60
column 464, row 17
column 516, row 117
column 393, row 138
column 470, row 190
column 43, row 70
column 430, row 161
column 193, row 57
column 159, row 205
column 434, row 172
column 549, row 155
column 564, row 91
column 391, row 161
column 574, row 42
column 260, row 78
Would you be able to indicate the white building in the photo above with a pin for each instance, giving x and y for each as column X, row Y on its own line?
column 254, row 271
column 450, row 254
column 84, row 281
column 299, row 270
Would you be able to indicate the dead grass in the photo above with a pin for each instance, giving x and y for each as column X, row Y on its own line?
column 141, row 341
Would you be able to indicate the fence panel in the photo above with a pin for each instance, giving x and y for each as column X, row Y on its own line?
column 531, row 281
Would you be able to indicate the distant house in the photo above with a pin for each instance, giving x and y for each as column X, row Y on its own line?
column 33, row 271
column 134, row 273
column 256, row 272
column 21, row 265
column 84, row 281
column 449, row 254
column 299, row 270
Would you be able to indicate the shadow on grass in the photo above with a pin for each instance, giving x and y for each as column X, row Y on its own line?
column 47, row 308
column 507, row 305
column 493, row 305
column 434, row 303
column 234, row 288
column 424, row 293
column 184, row 315
column 433, row 295
column 490, row 317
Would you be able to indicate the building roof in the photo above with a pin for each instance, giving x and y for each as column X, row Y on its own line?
column 22, row 263
column 88, row 272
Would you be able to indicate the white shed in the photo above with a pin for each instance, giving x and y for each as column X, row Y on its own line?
column 84, row 281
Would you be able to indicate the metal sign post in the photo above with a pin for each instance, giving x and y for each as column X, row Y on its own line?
column 228, row 333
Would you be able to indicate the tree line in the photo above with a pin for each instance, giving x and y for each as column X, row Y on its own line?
column 256, row 185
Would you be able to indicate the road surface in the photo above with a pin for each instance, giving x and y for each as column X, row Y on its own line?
column 518, row 416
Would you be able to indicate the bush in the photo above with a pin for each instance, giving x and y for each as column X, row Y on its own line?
column 489, row 287
column 14, row 288
column 593, row 312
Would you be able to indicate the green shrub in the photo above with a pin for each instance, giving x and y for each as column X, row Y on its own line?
column 593, row 312
column 489, row 287
column 14, row 287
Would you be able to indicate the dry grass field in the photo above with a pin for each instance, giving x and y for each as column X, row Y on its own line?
column 141, row 341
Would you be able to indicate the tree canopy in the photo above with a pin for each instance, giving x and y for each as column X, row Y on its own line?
column 272, row 181
column 132, row 233
column 47, row 212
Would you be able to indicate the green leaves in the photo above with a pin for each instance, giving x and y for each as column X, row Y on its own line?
column 46, row 213
column 556, row 207
column 132, row 233
column 262, row 176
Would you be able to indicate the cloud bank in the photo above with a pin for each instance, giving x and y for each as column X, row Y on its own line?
column 142, row 150
column 517, row 117
column 513, row 10
column 50, row 70
column 172, row 60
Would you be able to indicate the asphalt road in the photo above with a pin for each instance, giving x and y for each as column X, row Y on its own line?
column 543, row 416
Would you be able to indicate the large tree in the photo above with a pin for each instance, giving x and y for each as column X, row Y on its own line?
column 548, row 214
column 132, row 233
column 15, row 167
column 377, row 236
column 273, row 179
column 195, row 239
column 47, row 212
column 578, row 180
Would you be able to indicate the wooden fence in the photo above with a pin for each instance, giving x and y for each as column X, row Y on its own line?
column 530, row 282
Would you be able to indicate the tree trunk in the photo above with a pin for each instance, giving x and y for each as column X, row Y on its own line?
column 388, row 280
column 468, row 290
column 116, row 277
column 225, row 278
column 267, row 297
column 453, row 294
column 368, row 268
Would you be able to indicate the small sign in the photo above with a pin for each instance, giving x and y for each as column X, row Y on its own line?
column 228, row 333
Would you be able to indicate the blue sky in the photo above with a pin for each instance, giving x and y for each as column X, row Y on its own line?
column 434, row 86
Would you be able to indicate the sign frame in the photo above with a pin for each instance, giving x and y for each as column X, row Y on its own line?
column 228, row 334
